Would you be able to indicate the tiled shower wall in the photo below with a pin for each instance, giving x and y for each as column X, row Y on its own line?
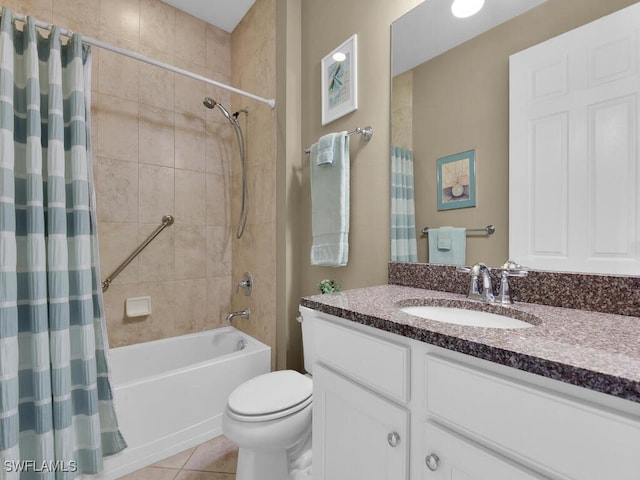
column 157, row 151
column 253, row 65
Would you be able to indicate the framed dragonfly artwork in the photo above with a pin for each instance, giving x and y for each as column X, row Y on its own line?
column 340, row 81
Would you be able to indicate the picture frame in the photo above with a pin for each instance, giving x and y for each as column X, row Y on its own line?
column 340, row 80
column 457, row 180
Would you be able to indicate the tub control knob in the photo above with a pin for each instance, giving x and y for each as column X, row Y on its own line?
column 246, row 283
column 432, row 461
column 394, row 439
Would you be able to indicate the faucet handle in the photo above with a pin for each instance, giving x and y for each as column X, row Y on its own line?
column 513, row 269
column 509, row 269
column 246, row 283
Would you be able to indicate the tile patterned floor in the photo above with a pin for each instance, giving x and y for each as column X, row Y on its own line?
column 212, row 460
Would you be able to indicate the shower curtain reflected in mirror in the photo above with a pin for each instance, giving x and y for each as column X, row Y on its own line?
column 403, row 219
column 56, row 406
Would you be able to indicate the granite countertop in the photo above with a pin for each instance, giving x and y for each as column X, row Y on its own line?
column 599, row 351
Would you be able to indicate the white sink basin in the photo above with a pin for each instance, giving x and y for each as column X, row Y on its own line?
column 461, row 316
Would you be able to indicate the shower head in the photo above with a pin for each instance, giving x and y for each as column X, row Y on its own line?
column 211, row 103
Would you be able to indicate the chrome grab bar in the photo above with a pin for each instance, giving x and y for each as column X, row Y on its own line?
column 166, row 221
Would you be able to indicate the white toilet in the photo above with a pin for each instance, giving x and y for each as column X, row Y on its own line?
column 269, row 418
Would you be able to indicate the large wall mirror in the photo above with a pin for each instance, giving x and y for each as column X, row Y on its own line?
column 451, row 95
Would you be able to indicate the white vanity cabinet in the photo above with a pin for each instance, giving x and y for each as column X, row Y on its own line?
column 390, row 407
column 356, row 433
column 360, row 422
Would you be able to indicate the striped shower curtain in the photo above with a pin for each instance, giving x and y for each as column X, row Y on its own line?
column 403, row 223
column 56, row 410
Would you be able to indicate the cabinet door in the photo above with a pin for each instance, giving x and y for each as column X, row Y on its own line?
column 460, row 459
column 357, row 434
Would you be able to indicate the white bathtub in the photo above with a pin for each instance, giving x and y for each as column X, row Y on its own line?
column 170, row 393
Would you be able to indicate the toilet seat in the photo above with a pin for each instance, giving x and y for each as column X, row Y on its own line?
column 270, row 396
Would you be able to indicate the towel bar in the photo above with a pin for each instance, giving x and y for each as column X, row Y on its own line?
column 489, row 230
column 366, row 132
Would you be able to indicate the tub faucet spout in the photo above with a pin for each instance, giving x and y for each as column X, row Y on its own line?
column 242, row 313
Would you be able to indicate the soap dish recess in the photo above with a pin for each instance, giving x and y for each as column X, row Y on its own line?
column 138, row 306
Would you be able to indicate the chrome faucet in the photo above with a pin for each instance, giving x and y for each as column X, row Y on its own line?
column 242, row 314
column 481, row 288
column 482, row 293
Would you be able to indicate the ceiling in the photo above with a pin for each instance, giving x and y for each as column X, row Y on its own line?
column 225, row 14
column 430, row 29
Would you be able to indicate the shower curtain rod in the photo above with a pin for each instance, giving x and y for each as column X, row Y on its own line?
column 127, row 53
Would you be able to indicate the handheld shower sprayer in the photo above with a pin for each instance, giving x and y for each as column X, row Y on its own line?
column 233, row 119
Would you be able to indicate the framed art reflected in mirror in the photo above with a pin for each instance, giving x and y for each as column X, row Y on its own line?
column 457, row 180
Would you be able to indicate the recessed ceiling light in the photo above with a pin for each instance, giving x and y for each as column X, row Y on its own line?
column 466, row 8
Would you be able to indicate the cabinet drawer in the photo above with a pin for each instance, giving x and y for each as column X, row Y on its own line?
column 547, row 430
column 375, row 362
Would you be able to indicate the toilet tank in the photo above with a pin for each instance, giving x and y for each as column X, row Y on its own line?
column 307, row 319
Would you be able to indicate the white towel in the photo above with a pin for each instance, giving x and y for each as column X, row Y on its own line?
column 456, row 253
column 330, row 205
column 326, row 147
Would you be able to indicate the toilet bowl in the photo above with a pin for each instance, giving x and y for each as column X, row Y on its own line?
column 269, row 419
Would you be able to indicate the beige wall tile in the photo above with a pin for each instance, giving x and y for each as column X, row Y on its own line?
column 190, row 198
column 41, row 9
column 126, row 331
column 156, row 197
column 157, row 25
column 120, row 18
column 118, row 76
column 157, row 86
column 95, row 71
column 219, row 291
column 191, row 40
column 118, row 123
column 218, row 254
column 218, row 50
column 190, row 150
column 190, row 304
column 190, row 247
column 138, row 143
column 117, row 240
column 156, row 136
column 221, row 144
column 256, row 251
column 218, row 93
column 77, row 15
column 156, row 262
column 116, row 190
column 190, row 93
column 262, row 180
column 218, row 210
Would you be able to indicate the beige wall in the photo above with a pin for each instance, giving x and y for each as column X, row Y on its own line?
column 157, row 151
column 325, row 25
column 461, row 103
